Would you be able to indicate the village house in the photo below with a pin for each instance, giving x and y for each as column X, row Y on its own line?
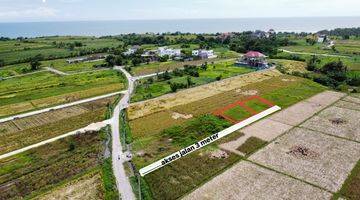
column 253, row 59
column 165, row 51
column 321, row 38
column 132, row 50
column 204, row 54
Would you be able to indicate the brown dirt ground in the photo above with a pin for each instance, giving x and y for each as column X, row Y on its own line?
column 334, row 161
column 248, row 181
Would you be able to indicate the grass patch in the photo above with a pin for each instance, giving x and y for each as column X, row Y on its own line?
column 225, row 69
column 238, row 113
column 257, row 105
column 351, row 187
column 251, row 145
column 145, row 190
column 109, row 182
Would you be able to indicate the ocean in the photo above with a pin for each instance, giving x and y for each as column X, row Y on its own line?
column 103, row 28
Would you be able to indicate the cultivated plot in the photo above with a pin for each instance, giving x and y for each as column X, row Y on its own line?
column 249, row 181
column 322, row 160
column 337, row 121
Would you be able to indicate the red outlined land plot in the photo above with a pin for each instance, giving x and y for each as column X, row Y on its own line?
column 241, row 110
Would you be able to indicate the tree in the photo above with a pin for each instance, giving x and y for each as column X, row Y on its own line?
column 311, row 65
column 173, row 87
column 335, row 70
column 110, row 60
column 35, row 62
column 189, row 82
column 2, row 63
column 136, row 61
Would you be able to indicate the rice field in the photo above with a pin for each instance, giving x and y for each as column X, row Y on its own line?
column 46, row 89
column 23, row 132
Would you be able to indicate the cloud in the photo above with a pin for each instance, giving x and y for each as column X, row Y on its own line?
column 29, row 13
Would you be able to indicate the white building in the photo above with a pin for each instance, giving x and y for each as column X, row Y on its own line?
column 165, row 51
column 131, row 50
column 322, row 38
column 204, row 54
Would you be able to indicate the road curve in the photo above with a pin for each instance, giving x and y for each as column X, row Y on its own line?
column 122, row 181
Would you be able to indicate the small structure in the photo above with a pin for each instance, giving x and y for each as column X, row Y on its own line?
column 253, row 59
column 165, row 51
column 204, row 54
column 132, row 50
column 321, row 38
column 86, row 58
column 150, row 55
column 270, row 33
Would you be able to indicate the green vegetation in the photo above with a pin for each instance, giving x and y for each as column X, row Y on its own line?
column 195, row 130
column 251, row 145
column 351, row 188
column 44, row 126
column 41, row 169
column 237, row 113
column 182, row 176
column 145, row 190
column 109, row 182
column 204, row 74
column 45, row 89
column 257, row 105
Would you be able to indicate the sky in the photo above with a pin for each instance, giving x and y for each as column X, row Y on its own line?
column 79, row 10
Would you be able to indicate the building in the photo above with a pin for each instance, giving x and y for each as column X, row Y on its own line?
column 270, row 33
column 204, row 54
column 150, row 55
column 86, row 58
column 165, row 51
column 321, row 38
column 253, row 59
column 132, row 50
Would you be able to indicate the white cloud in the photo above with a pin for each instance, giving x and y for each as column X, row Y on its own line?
column 29, row 13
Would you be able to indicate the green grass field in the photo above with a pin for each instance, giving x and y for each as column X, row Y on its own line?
column 237, row 113
column 158, row 88
column 45, row 84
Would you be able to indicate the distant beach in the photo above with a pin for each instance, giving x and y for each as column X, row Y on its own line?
column 103, row 28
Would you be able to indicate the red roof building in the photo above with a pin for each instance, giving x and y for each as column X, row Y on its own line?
column 254, row 54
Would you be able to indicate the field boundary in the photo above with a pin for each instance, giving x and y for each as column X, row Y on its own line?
column 242, row 103
column 196, row 146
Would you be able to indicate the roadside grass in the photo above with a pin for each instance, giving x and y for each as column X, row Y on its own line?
column 109, row 182
column 45, row 89
column 225, row 69
column 184, row 175
column 251, row 145
column 351, row 188
column 23, row 132
column 63, row 66
column 41, row 169
column 146, row 193
column 237, row 113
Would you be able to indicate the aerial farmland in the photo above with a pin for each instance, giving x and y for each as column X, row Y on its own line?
column 82, row 117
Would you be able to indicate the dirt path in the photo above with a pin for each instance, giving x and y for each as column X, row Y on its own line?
column 318, row 54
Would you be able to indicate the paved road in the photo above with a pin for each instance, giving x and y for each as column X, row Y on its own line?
column 305, row 53
column 91, row 127
column 122, row 181
column 59, row 107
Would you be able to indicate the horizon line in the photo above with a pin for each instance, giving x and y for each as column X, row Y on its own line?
column 175, row 19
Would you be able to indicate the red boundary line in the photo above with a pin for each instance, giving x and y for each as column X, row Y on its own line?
column 221, row 112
